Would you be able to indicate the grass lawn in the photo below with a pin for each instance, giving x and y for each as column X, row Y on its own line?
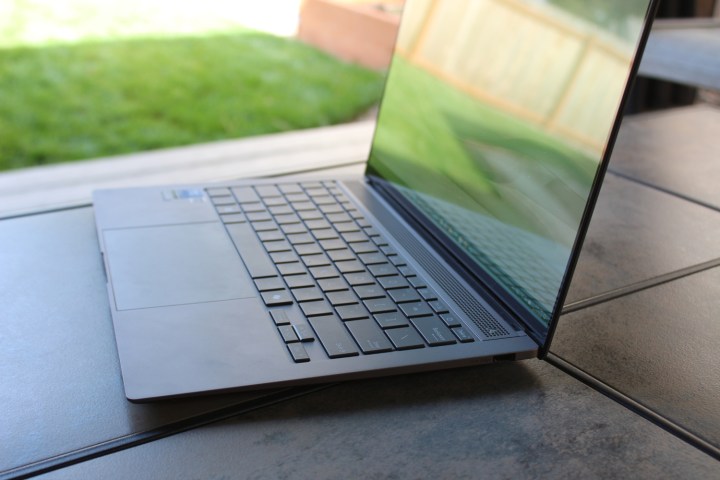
column 66, row 94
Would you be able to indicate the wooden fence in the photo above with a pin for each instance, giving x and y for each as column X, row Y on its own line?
column 579, row 69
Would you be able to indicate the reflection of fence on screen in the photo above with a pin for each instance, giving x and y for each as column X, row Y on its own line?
column 504, row 52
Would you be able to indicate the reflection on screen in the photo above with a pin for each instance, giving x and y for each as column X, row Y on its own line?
column 495, row 118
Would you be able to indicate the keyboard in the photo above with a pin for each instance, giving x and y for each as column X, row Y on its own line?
column 327, row 274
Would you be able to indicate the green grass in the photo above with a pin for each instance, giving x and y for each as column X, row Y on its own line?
column 68, row 93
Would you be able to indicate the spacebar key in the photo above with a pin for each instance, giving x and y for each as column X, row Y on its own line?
column 333, row 336
column 251, row 250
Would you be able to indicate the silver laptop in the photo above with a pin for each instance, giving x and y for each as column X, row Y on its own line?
column 455, row 248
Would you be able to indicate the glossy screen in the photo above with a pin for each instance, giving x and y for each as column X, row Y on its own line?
column 495, row 118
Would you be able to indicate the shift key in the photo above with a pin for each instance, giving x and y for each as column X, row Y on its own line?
column 333, row 336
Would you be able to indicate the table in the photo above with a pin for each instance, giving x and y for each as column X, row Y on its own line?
column 64, row 412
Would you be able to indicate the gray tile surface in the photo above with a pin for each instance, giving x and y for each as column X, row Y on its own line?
column 638, row 233
column 60, row 385
column 525, row 420
column 676, row 149
column 658, row 346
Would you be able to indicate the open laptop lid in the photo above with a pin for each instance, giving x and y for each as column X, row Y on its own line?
column 496, row 128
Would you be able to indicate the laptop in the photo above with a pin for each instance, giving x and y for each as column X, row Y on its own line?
column 456, row 247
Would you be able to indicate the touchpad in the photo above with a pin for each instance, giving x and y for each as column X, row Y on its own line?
column 174, row 265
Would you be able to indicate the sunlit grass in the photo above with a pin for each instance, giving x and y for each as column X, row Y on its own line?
column 96, row 84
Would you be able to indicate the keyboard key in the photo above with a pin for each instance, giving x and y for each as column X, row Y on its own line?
column 274, row 202
column 303, row 206
column 308, row 249
column 297, row 197
column 439, row 306
column 284, row 316
column 307, row 294
column 324, row 200
column 315, row 190
column 433, row 331
column 264, row 226
column 352, row 312
column 338, row 217
column 350, row 266
column 271, row 235
column 323, row 272
column 271, row 283
column 233, row 218
column 363, row 247
column 382, row 270
column 258, row 216
column 396, row 260
column 293, row 228
column 407, row 271
column 288, row 188
column 317, row 260
column 391, row 320
column 304, row 332
column 343, row 297
column 245, row 194
column 300, row 238
column 332, row 284
column 363, row 222
column 281, row 210
column 225, row 209
column 450, row 320
column 463, row 335
column 277, row 246
column 295, row 268
column 285, row 219
column 415, row 309
column 346, row 227
column 395, row 281
column 309, row 214
column 369, row 336
column 298, row 352
column 340, row 255
column 317, row 224
column 253, row 207
column 417, row 282
column 405, row 338
column 284, row 257
column 314, row 308
column 369, row 291
column 371, row 232
column 331, row 209
column 332, row 244
column 404, row 295
column 267, row 191
column 380, row 305
column 354, row 236
column 223, row 200
column 427, row 293
column 333, row 336
column 251, row 250
column 372, row 258
column 325, row 234
column 276, row 297
column 298, row 281
column 360, row 278
column 288, row 333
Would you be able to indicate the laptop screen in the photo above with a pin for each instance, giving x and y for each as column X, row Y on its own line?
column 495, row 119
